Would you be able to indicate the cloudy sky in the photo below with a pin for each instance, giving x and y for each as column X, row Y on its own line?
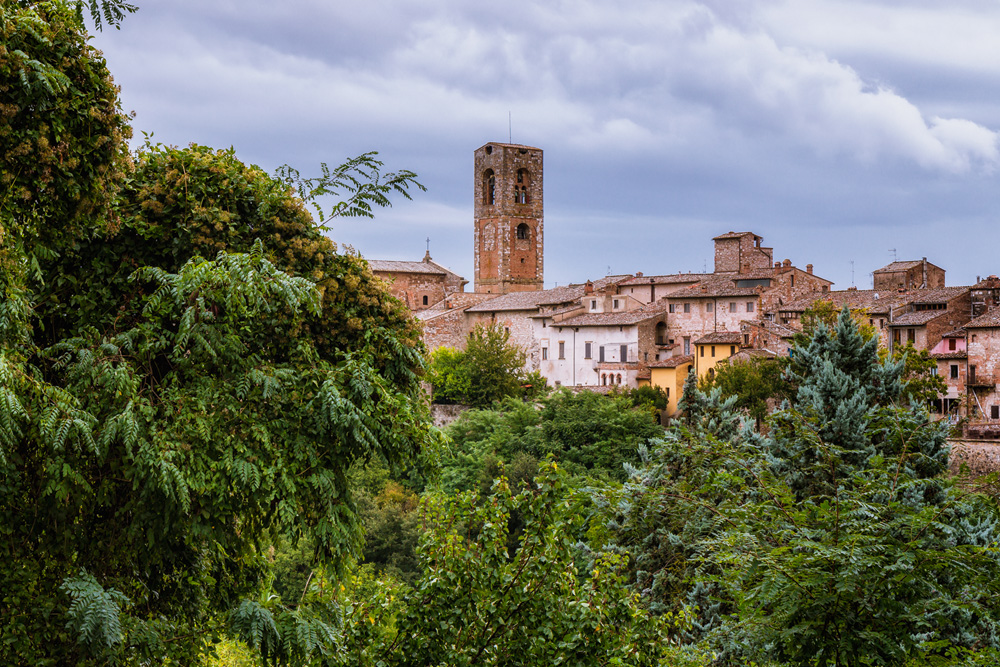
column 839, row 131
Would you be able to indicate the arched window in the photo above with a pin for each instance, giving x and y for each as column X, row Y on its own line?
column 619, row 379
column 425, row 299
column 523, row 231
column 522, row 175
column 489, row 187
column 604, row 379
column 661, row 333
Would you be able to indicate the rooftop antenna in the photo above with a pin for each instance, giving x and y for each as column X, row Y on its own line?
column 852, row 272
column 510, row 132
column 893, row 251
column 429, row 246
column 609, row 269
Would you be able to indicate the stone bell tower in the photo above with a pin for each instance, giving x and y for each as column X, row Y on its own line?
column 508, row 210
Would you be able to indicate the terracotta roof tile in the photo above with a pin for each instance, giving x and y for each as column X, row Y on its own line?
column 916, row 318
column 957, row 354
column 622, row 318
column 901, row 265
column 732, row 235
column 672, row 362
column 721, row 338
column 667, row 279
column 550, row 297
column 991, row 320
column 388, row 265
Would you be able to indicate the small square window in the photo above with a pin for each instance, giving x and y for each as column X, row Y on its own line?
column 749, row 306
column 545, row 353
column 687, row 307
column 670, row 308
column 708, row 307
column 562, row 349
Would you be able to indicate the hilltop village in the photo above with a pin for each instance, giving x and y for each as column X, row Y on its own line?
column 633, row 330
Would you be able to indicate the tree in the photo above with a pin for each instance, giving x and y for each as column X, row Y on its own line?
column 753, row 382
column 921, row 383
column 846, row 545
column 490, row 368
column 188, row 368
column 480, row 601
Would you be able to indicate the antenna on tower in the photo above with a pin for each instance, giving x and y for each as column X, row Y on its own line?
column 852, row 272
column 893, row 251
column 510, row 131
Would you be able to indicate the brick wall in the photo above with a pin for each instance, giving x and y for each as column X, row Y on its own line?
column 506, row 260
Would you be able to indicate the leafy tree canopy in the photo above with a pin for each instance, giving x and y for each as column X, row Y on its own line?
column 188, row 368
column 489, row 369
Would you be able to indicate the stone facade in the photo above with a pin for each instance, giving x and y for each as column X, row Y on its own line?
column 741, row 252
column 419, row 285
column 508, row 237
column 908, row 275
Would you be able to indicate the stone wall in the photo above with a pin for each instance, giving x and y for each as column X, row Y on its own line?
column 506, row 259
column 417, row 290
column 442, row 415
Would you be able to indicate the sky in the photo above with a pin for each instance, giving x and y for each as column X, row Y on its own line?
column 847, row 134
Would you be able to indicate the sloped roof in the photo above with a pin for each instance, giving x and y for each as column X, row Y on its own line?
column 392, row 266
column 549, row 297
column 715, row 286
column 732, row 235
column 873, row 301
column 990, row 320
column 672, row 362
column 772, row 327
column 901, row 265
column 916, row 318
column 721, row 338
column 669, row 278
column 617, row 319
column 939, row 295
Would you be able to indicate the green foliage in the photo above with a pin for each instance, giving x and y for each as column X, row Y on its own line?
column 490, row 368
column 587, row 433
column 921, row 383
column 753, row 383
column 834, row 540
column 165, row 417
column 358, row 185
column 848, row 547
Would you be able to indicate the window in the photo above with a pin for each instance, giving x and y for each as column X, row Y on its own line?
column 954, row 371
column 667, row 390
column 972, row 374
column 713, row 350
column 895, row 335
column 911, row 335
column 523, row 231
column 619, row 378
column 661, row 333
column 623, row 352
column 687, row 344
column 562, row 349
column 701, row 350
column 951, row 344
column 732, row 350
column 586, row 350
column 881, row 324
column 934, row 371
column 604, row 379
column 593, row 304
column 746, row 339
column 614, row 304
column 670, row 308
column 489, row 187
column 601, row 351
column 995, row 412
column 749, row 306
column 425, row 299
column 732, row 307
column 687, row 307
column 708, row 307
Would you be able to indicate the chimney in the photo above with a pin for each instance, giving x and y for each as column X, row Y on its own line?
column 777, row 265
column 809, row 269
column 638, row 274
column 787, row 264
column 588, row 288
column 924, row 261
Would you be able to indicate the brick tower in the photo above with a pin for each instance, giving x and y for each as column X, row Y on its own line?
column 508, row 210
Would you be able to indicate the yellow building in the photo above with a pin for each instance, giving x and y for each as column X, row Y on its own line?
column 669, row 375
column 711, row 349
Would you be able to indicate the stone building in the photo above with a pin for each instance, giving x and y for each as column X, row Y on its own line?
column 985, row 295
column 610, row 348
column 508, row 209
column 741, row 252
column 419, row 285
column 908, row 275
column 952, row 362
column 983, row 366
column 928, row 314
